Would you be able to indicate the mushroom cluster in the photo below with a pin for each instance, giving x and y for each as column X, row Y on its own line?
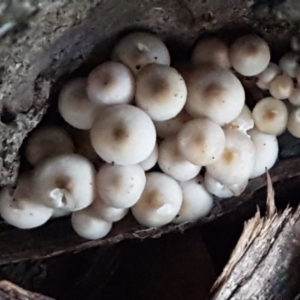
column 156, row 140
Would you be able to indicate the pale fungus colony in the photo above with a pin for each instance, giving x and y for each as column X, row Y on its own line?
column 159, row 141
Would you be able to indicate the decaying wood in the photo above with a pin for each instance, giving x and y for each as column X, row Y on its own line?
column 57, row 236
column 10, row 291
column 265, row 263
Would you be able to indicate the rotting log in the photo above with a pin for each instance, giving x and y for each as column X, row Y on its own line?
column 265, row 263
column 10, row 291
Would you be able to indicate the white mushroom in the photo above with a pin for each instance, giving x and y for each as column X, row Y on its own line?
column 266, row 151
column 249, row 55
column 221, row 190
column 170, row 127
column 65, row 182
column 237, row 161
column 295, row 97
column 20, row 211
column 120, row 186
column 110, row 83
column 136, row 50
column 214, row 93
column 270, row 116
column 266, row 76
column 151, row 160
column 123, row 134
column 47, row 142
column 293, row 125
column 281, row 87
column 107, row 213
column 74, row 105
column 160, row 201
column 173, row 163
column 86, row 224
column 201, row 141
column 197, row 202
column 288, row 64
column 212, row 50
column 243, row 122
column 160, row 91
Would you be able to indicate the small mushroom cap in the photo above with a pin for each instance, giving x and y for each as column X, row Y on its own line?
column 249, row 55
column 293, row 125
column 173, row 163
column 47, row 142
column 74, row 105
column 266, row 151
column 212, row 50
column 266, row 76
column 237, row 161
column 270, row 116
column 214, row 93
column 288, row 64
column 197, row 202
column 123, row 134
column 151, row 160
column 136, row 50
column 170, row 127
column 160, row 201
column 201, row 141
column 160, row 91
column 110, row 83
column 243, row 122
column 281, row 87
column 221, row 190
column 108, row 213
column 88, row 226
column 22, row 212
column 120, row 186
column 65, row 182
column 295, row 97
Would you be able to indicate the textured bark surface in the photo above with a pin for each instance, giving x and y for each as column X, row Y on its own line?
column 265, row 263
column 10, row 291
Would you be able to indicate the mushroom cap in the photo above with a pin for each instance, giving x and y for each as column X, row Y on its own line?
column 201, row 141
column 237, row 161
column 160, row 91
column 173, row 163
column 160, row 201
column 266, row 76
column 170, row 127
column 22, row 212
column 151, row 160
column 89, row 226
column 243, row 122
column 249, row 55
column 110, row 83
column 293, row 124
column 197, row 202
column 221, row 190
column 47, row 142
column 270, row 116
column 214, row 93
column 65, row 182
column 74, row 105
column 120, row 186
column 138, row 49
column 281, row 87
column 212, row 50
column 295, row 97
column 106, row 212
column 288, row 64
column 266, row 151
column 123, row 134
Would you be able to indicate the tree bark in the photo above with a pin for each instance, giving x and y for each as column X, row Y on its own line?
column 265, row 263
